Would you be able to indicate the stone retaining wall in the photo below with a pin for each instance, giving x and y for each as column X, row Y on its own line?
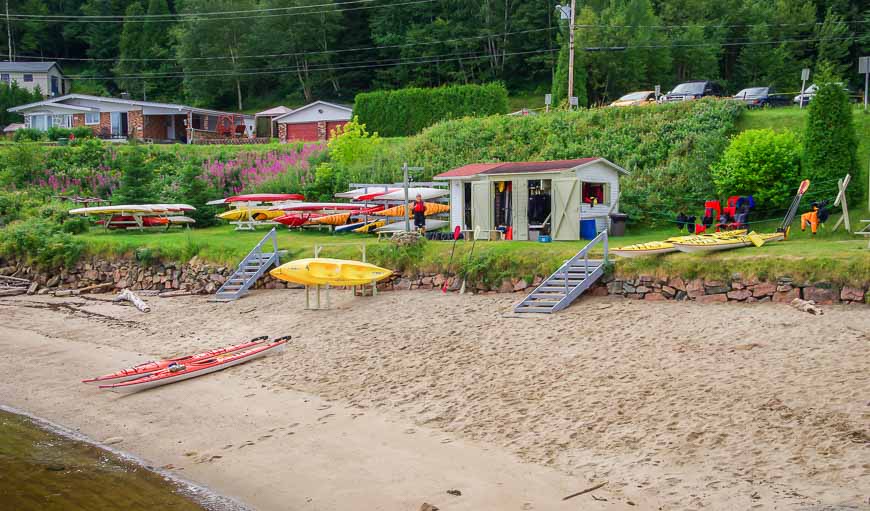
column 197, row 277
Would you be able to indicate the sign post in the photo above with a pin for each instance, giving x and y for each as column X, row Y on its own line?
column 548, row 100
column 864, row 69
column 658, row 92
column 805, row 75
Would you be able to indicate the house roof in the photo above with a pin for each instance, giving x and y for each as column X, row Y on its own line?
column 26, row 67
column 476, row 169
column 285, row 117
column 58, row 101
column 272, row 112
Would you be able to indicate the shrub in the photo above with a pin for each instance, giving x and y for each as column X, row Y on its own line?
column 830, row 142
column 137, row 176
column 76, row 225
column 353, row 143
column 194, row 190
column 82, row 132
column 56, row 132
column 762, row 163
column 41, row 242
column 28, row 135
column 407, row 111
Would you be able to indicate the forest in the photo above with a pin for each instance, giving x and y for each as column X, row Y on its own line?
column 246, row 54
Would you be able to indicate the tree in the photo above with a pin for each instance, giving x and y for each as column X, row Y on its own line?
column 194, row 190
column 830, row 146
column 137, row 178
column 133, row 48
column 834, row 38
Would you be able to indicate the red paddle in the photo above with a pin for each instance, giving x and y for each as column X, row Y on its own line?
column 456, row 233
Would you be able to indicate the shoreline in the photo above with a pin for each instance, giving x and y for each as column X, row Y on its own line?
column 673, row 405
column 205, row 497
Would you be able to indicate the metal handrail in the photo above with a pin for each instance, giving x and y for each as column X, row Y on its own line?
column 259, row 245
column 584, row 253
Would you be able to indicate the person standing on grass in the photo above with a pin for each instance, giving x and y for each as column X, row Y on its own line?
column 419, row 210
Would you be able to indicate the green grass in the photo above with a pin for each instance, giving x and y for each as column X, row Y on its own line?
column 835, row 257
column 793, row 118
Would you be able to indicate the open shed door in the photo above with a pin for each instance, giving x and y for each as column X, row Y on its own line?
column 566, row 209
column 481, row 206
column 520, row 199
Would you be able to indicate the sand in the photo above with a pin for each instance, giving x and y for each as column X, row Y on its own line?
column 388, row 402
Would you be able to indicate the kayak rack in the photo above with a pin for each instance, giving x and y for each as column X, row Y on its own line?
column 252, row 267
column 567, row 283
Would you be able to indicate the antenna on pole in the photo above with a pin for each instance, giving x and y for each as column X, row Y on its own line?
column 9, row 32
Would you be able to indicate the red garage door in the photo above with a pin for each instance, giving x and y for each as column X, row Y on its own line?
column 331, row 125
column 304, row 131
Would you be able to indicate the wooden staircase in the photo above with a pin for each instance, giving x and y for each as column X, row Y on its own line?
column 574, row 277
column 252, row 267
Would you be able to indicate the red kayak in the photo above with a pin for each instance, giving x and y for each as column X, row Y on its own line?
column 375, row 195
column 265, row 197
column 184, row 371
column 152, row 367
column 297, row 219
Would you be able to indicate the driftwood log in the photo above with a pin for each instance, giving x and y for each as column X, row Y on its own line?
column 130, row 296
column 806, row 306
column 12, row 291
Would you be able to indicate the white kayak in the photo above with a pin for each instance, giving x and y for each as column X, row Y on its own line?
column 426, row 193
column 431, row 225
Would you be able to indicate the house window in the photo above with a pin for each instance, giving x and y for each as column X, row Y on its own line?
column 28, row 78
column 92, row 118
column 594, row 194
column 4, row 77
column 61, row 121
column 40, row 122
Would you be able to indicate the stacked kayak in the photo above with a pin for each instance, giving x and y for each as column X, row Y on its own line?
column 668, row 246
column 324, row 271
column 715, row 245
column 371, row 226
column 190, row 367
column 336, row 219
column 256, row 213
column 432, row 208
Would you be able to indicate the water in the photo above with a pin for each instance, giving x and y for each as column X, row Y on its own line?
column 44, row 470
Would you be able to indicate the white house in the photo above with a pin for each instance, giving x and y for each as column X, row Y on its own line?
column 30, row 75
column 314, row 121
column 532, row 198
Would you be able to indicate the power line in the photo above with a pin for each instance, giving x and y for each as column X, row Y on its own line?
column 204, row 17
column 294, row 54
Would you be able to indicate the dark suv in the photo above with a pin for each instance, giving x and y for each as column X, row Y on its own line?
column 693, row 90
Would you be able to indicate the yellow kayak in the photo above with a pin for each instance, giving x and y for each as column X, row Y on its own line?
column 432, row 208
column 334, row 272
column 336, row 219
column 667, row 246
column 371, row 226
column 714, row 245
column 259, row 214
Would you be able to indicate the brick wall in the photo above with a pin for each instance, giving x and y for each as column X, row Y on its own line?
column 105, row 126
column 282, row 132
column 156, row 126
column 331, row 126
column 135, row 124
column 78, row 120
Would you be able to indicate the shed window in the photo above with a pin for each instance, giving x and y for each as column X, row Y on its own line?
column 595, row 193
column 28, row 78
column 92, row 118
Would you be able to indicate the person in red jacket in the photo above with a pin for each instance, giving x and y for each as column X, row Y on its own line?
column 419, row 210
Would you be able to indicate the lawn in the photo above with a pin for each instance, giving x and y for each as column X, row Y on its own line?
column 836, row 257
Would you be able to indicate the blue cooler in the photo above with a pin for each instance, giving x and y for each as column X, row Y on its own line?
column 587, row 229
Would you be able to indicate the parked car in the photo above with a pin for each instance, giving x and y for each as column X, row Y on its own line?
column 757, row 97
column 810, row 93
column 694, row 90
column 644, row 97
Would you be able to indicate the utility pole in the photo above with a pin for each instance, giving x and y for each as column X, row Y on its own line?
column 571, row 52
column 8, row 31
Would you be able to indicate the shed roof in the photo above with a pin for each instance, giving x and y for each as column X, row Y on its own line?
column 26, row 67
column 475, row 169
column 275, row 111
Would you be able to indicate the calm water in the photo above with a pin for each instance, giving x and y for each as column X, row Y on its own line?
column 42, row 470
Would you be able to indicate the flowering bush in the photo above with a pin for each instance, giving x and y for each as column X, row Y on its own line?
column 248, row 170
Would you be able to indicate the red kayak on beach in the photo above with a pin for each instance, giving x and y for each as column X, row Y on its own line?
column 191, row 369
column 147, row 368
column 297, row 219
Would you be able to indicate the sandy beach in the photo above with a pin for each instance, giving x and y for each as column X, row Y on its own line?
column 389, row 402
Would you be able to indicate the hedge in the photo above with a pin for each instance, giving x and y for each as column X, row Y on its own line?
column 405, row 112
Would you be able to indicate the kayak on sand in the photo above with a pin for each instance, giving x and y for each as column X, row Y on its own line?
column 191, row 369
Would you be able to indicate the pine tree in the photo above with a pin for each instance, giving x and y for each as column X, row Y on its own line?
column 193, row 190
column 137, row 177
column 834, row 40
column 132, row 49
column 830, row 145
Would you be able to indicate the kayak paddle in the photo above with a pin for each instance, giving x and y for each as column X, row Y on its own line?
column 456, row 233
column 473, row 242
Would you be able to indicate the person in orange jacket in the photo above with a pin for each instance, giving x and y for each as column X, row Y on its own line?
column 815, row 217
column 419, row 210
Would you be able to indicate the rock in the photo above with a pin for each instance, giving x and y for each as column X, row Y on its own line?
column 426, row 282
column 715, row 287
column 854, row 294
column 821, row 295
column 598, row 291
column 739, row 294
column 669, row 292
column 681, row 295
column 783, row 288
column 438, row 280
column 113, row 440
column 763, row 289
column 506, row 286
column 428, row 507
column 737, row 285
column 786, row 296
column 720, row 298
column 521, row 285
column 645, row 279
column 655, row 297
column 537, row 281
column 615, row 287
column 628, row 287
column 695, row 288
column 210, row 288
column 636, row 296
column 52, row 282
column 642, row 289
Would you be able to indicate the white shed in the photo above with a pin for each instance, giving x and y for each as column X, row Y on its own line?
column 532, row 198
